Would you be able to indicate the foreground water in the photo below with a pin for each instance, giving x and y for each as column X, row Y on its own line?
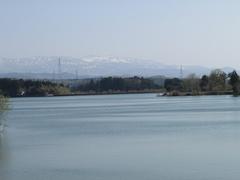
column 124, row 137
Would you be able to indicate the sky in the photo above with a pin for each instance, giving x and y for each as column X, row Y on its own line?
column 188, row 32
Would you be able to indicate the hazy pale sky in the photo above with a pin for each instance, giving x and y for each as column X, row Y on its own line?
column 202, row 32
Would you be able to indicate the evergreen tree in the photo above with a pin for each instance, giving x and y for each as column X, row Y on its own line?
column 204, row 83
column 234, row 82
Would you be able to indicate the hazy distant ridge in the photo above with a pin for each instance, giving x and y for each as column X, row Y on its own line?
column 47, row 67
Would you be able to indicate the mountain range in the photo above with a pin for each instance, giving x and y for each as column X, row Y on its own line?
column 43, row 67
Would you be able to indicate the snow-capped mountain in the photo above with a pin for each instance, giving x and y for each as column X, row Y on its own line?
column 95, row 66
column 92, row 67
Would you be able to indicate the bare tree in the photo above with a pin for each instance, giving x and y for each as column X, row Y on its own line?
column 191, row 84
column 217, row 80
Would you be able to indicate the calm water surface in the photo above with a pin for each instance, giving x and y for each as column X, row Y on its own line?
column 124, row 137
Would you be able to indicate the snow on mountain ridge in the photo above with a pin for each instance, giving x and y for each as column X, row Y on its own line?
column 95, row 66
column 105, row 59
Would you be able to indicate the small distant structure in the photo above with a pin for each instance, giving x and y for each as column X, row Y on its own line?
column 22, row 93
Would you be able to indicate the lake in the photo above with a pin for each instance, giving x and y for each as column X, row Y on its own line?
column 123, row 137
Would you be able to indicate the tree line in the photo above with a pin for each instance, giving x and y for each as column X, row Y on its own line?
column 110, row 84
column 20, row 87
column 216, row 82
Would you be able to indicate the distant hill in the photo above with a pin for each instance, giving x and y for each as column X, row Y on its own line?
column 71, row 68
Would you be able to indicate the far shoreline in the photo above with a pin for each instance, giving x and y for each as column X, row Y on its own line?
column 157, row 92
